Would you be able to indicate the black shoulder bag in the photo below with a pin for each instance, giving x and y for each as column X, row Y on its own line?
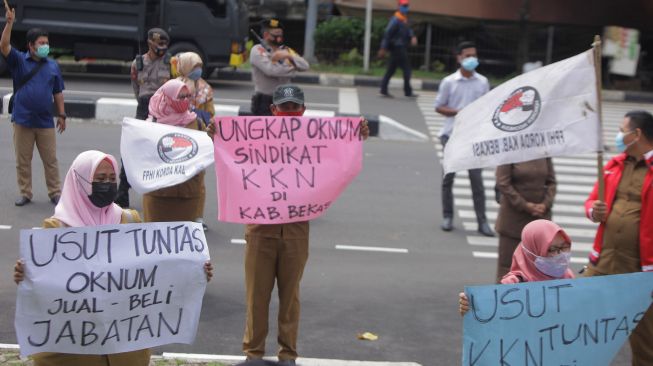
column 27, row 78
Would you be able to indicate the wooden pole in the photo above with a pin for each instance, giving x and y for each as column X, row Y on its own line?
column 599, row 157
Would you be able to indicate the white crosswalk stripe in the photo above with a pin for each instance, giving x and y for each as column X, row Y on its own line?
column 575, row 176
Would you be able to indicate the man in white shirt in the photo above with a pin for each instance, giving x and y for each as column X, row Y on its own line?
column 456, row 91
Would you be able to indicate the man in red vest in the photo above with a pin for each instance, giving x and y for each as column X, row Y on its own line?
column 624, row 241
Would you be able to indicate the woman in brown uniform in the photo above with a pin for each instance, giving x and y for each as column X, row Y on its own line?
column 182, row 202
column 87, row 200
column 527, row 190
column 189, row 67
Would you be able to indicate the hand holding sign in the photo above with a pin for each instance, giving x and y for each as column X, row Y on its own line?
column 19, row 271
column 274, row 170
column 463, row 304
column 110, row 289
column 562, row 322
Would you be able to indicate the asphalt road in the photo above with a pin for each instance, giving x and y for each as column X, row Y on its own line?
column 409, row 299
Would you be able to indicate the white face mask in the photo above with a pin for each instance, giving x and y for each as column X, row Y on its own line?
column 555, row 266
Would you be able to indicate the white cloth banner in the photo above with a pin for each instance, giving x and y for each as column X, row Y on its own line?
column 549, row 111
column 110, row 289
column 156, row 155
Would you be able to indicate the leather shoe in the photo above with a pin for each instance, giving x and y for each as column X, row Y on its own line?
column 484, row 229
column 22, row 201
column 289, row 362
column 55, row 199
column 386, row 95
column 412, row 95
column 447, row 224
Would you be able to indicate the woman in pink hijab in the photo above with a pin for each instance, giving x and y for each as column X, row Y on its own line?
column 87, row 200
column 543, row 254
column 182, row 202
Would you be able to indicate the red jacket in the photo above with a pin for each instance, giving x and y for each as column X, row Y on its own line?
column 613, row 170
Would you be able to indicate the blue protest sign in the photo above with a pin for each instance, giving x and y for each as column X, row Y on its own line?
column 571, row 322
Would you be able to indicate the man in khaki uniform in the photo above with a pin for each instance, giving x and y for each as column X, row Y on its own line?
column 148, row 73
column 624, row 241
column 277, row 252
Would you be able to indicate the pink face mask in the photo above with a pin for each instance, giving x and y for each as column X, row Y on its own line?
column 180, row 105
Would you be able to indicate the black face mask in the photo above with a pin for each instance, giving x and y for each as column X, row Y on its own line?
column 276, row 41
column 160, row 51
column 103, row 193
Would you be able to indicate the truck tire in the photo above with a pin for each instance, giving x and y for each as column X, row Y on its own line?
column 188, row 47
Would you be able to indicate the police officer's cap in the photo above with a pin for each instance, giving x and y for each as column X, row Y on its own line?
column 156, row 34
column 288, row 93
column 271, row 24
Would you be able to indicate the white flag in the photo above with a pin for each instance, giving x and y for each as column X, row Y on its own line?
column 156, row 155
column 550, row 111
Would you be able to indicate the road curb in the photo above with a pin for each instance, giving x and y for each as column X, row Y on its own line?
column 194, row 358
column 300, row 361
column 326, row 79
column 113, row 109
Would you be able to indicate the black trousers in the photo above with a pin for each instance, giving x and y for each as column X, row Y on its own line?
column 478, row 191
column 398, row 58
column 261, row 104
column 142, row 111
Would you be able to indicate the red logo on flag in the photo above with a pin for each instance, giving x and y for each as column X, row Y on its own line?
column 518, row 111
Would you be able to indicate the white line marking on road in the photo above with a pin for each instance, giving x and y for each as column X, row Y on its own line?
column 560, row 197
column 579, row 260
column 5, row 227
column 319, row 113
column 238, row 241
column 489, row 177
column 561, row 219
column 372, row 249
column 130, row 96
column 494, row 255
column 485, row 255
column 567, row 188
column 494, row 242
column 348, row 100
column 198, row 357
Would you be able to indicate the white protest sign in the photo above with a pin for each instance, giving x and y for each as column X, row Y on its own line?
column 550, row 111
column 110, row 289
column 157, row 155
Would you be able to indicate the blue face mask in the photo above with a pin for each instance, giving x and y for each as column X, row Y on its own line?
column 619, row 141
column 470, row 63
column 403, row 9
column 195, row 74
column 555, row 266
column 42, row 51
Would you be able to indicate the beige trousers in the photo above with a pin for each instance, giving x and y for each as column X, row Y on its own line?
column 266, row 260
column 46, row 142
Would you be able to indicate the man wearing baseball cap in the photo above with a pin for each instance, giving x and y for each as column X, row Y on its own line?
column 396, row 39
column 277, row 252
